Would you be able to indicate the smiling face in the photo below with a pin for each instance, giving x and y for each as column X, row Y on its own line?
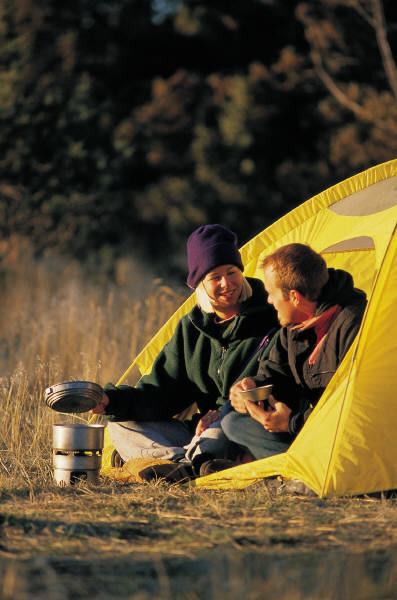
column 223, row 285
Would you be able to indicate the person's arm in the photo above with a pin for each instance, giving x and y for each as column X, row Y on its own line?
column 161, row 394
column 235, row 397
column 210, row 417
column 344, row 335
column 274, row 418
column 275, row 370
column 298, row 419
column 100, row 409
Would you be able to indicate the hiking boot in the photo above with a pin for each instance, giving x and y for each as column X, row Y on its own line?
column 215, row 465
column 199, row 460
column 116, row 460
column 170, row 472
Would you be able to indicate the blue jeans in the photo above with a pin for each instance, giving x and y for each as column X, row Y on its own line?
column 251, row 436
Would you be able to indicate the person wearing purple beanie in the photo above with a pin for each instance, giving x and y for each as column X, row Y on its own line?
column 221, row 340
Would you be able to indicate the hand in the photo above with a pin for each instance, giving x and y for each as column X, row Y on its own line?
column 257, row 410
column 236, row 401
column 100, row 409
column 276, row 419
column 210, row 417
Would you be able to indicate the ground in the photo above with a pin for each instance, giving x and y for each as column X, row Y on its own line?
column 160, row 541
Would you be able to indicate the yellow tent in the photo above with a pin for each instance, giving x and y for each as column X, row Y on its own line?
column 347, row 444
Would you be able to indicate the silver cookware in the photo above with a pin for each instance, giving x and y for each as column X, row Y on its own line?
column 73, row 396
column 257, row 394
column 77, row 452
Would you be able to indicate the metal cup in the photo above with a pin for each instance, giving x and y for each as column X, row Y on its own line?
column 257, row 394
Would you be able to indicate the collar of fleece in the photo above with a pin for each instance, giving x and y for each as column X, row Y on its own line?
column 338, row 292
column 321, row 325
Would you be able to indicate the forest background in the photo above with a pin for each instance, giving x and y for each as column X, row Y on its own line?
column 126, row 124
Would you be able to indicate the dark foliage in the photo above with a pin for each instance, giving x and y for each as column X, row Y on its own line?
column 126, row 124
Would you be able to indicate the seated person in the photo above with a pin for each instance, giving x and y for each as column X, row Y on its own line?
column 218, row 342
column 320, row 312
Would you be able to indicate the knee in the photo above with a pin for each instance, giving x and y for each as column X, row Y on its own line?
column 231, row 422
column 126, row 427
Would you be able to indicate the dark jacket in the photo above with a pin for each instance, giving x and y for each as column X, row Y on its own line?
column 296, row 382
column 200, row 363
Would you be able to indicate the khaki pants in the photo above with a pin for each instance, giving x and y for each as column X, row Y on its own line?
column 171, row 439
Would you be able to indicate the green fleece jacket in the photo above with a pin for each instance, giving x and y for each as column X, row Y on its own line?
column 200, row 363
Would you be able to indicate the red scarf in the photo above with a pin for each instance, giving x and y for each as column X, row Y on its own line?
column 321, row 325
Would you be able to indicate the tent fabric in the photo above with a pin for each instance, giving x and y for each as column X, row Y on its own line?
column 315, row 222
column 346, row 446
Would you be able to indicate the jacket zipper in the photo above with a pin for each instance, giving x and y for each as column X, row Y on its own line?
column 221, row 360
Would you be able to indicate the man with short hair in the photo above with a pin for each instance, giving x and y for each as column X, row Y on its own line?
column 320, row 312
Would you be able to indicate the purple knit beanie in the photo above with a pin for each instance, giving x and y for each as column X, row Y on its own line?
column 208, row 247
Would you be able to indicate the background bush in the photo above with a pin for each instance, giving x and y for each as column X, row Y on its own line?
column 126, row 124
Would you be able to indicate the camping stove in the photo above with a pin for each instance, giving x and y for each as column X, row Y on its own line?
column 77, row 452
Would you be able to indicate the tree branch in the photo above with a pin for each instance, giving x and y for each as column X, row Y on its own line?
column 384, row 46
column 336, row 92
column 366, row 16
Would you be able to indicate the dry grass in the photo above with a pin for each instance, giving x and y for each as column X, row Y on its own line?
column 144, row 541
column 153, row 540
column 57, row 326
